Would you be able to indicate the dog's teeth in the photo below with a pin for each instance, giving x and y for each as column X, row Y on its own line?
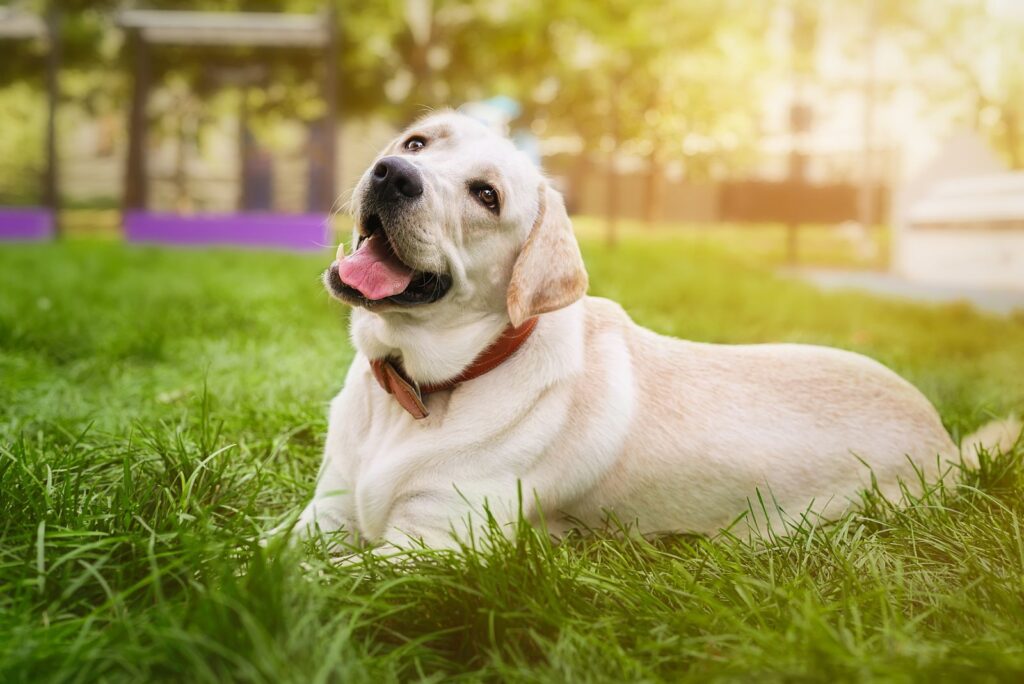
column 341, row 251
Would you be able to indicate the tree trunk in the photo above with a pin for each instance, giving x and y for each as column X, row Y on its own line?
column 866, row 198
column 612, row 176
column 611, row 217
column 1011, row 128
column 654, row 186
column 579, row 176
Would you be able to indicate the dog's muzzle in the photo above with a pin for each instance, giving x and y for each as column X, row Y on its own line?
column 395, row 180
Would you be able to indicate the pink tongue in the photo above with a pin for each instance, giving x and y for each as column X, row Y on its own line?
column 374, row 270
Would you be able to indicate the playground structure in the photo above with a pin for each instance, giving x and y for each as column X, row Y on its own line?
column 37, row 222
column 148, row 30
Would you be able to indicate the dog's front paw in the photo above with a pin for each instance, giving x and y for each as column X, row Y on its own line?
column 314, row 522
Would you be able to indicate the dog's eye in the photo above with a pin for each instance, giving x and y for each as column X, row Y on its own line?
column 415, row 143
column 487, row 195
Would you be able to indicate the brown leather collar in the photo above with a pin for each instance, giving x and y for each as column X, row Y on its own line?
column 410, row 395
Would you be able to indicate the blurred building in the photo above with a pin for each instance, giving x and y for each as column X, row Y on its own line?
column 961, row 221
column 853, row 114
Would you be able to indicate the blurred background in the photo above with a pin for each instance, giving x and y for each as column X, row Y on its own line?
column 866, row 143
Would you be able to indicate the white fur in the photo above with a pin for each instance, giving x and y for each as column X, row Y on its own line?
column 594, row 414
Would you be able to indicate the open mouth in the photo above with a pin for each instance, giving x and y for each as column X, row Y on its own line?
column 374, row 273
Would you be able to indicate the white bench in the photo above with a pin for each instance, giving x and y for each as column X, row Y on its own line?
column 968, row 231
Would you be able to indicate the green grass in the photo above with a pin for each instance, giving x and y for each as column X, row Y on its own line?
column 160, row 408
column 762, row 243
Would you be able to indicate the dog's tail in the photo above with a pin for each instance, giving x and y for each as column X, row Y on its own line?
column 994, row 436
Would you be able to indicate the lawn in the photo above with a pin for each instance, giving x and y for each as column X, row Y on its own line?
column 159, row 409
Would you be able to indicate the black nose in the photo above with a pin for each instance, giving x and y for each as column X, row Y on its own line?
column 395, row 178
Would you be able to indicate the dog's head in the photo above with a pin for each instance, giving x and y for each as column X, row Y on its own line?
column 452, row 217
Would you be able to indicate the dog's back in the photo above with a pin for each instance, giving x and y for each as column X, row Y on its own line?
column 717, row 426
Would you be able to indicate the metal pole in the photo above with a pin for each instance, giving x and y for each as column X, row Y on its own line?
column 51, row 186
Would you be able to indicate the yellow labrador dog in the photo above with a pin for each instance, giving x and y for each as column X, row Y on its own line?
column 482, row 366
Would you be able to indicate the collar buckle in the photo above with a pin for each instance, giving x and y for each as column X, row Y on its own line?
column 409, row 394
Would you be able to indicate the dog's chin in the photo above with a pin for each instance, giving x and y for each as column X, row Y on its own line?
column 425, row 288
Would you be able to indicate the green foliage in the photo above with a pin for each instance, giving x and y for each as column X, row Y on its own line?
column 666, row 80
column 979, row 46
column 161, row 408
column 21, row 144
column 664, row 71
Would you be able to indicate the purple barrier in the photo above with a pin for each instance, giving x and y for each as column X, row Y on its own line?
column 305, row 232
column 29, row 223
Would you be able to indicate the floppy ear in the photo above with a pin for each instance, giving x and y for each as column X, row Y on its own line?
column 549, row 273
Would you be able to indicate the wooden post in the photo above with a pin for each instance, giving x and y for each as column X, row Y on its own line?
column 136, row 183
column 51, row 184
column 331, row 95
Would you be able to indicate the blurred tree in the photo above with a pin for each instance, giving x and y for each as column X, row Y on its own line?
column 981, row 43
column 404, row 57
column 669, row 82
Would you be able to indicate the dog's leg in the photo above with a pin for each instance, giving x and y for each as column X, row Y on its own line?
column 452, row 519
column 332, row 508
column 325, row 514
